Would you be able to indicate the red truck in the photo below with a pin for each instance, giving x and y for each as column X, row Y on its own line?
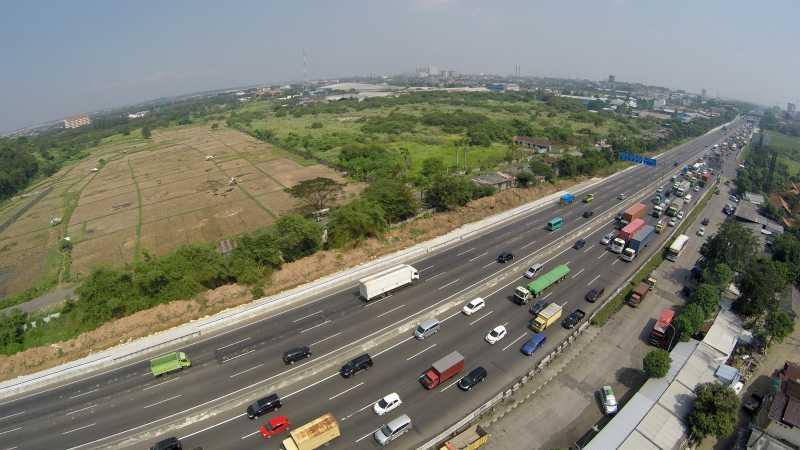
column 442, row 370
column 630, row 229
column 638, row 294
column 662, row 331
column 636, row 211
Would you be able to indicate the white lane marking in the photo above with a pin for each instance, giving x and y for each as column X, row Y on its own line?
column 451, row 316
column 593, row 280
column 437, row 275
column 548, row 295
column 159, row 384
column 11, row 430
column 346, row 391
column 490, row 264
column 366, row 435
column 12, row 415
column 78, row 429
column 307, row 316
column 426, row 268
column 465, row 251
column 163, row 401
column 234, row 343
column 479, row 256
column 448, row 284
column 85, row 393
column 246, row 370
column 361, row 409
column 206, row 428
column 568, row 263
column 420, row 352
column 390, row 311
column 479, row 318
column 578, row 274
column 324, row 339
column 311, row 385
column 590, row 247
column 601, row 255
column 389, row 348
column 615, row 261
column 251, row 434
column 375, row 302
column 82, row 409
column 316, row 326
column 449, row 385
column 239, row 356
column 528, row 244
column 514, row 341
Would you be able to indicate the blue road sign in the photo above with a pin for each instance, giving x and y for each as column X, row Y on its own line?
column 638, row 159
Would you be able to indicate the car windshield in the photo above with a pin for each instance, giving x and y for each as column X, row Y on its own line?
column 386, row 430
column 474, row 304
column 420, row 329
column 383, row 403
column 495, row 333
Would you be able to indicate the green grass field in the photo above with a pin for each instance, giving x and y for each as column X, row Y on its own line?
column 789, row 149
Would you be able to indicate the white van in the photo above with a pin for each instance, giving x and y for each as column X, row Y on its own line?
column 392, row 430
column 533, row 270
column 427, row 328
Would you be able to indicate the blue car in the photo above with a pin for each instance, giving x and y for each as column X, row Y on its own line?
column 533, row 344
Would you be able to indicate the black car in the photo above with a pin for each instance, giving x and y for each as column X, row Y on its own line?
column 474, row 377
column 579, row 244
column 356, row 365
column 537, row 307
column 595, row 294
column 573, row 319
column 296, row 354
column 705, row 221
column 264, row 406
column 505, row 257
column 587, row 214
column 168, row 444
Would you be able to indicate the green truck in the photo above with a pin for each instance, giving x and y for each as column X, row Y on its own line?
column 523, row 294
column 169, row 363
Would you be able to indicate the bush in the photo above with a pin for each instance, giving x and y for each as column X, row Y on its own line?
column 354, row 222
column 714, row 411
column 656, row 363
column 297, row 236
column 394, row 196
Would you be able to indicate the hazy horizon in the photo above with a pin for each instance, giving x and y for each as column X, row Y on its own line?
column 86, row 56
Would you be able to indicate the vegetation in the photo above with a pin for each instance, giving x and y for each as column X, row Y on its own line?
column 656, row 363
column 713, row 412
column 317, row 193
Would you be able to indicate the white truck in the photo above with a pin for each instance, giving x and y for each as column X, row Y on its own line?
column 383, row 282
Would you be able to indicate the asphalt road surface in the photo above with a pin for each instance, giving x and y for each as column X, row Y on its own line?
column 205, row 405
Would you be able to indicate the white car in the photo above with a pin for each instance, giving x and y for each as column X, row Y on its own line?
column 533, row 270
column 387, row 404
column 680, row 215
column 473, row 306
column 672, row 222
column 609, row 400
column 622, row 196
column 606, row 239
column 701, row 231
column 499, row 332
column 697, row 188
column 688, row 198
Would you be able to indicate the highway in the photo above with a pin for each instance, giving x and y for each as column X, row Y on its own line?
column 204, row 405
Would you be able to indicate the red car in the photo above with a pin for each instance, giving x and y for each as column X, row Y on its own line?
column 276, row 425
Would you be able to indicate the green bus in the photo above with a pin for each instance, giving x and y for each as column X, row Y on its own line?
column 555, row 223
column 541, row 284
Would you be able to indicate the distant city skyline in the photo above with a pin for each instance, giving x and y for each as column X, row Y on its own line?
column 74, row 58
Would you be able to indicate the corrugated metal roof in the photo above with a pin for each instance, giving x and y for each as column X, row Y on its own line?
column 724, row 333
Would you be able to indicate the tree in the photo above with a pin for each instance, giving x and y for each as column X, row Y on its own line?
column 733, row 245
column 778, row 325
column 12, row 327
column 713, row 412
column 688, row 321
column 707, row 297
column 656, row 363
column 449, row 192
column 762, row 280
column 432, row 168
column 786, row 248
column 146, row 133
column 297, row 236
column 394, row 196
column 318, row 193
column 540, row 168
column 526, row 179
column 261, row 247
column 214, row 126
column 720, row 275
column 354, row 222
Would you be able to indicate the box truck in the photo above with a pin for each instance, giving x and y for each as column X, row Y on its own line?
column 315, row 434
column 381, row 283
column 442, row 370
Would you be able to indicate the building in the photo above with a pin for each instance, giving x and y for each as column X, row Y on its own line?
column 703, row 93
column 791, row 108
column 537, row 145
column 498, row 180
column 137, row 115
column 77, row 121
column 779, row 416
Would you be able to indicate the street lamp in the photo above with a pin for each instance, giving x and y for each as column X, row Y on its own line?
column 674, row 332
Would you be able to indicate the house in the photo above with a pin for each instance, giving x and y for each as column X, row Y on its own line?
column 498, row 180
column 756, row 199
column 538, row 145
column 780, row 418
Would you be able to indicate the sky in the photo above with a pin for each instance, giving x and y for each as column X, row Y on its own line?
column 68, row 57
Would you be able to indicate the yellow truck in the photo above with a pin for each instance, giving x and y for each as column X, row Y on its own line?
column 546, row 317
column 314, row 434
column 588, row 198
